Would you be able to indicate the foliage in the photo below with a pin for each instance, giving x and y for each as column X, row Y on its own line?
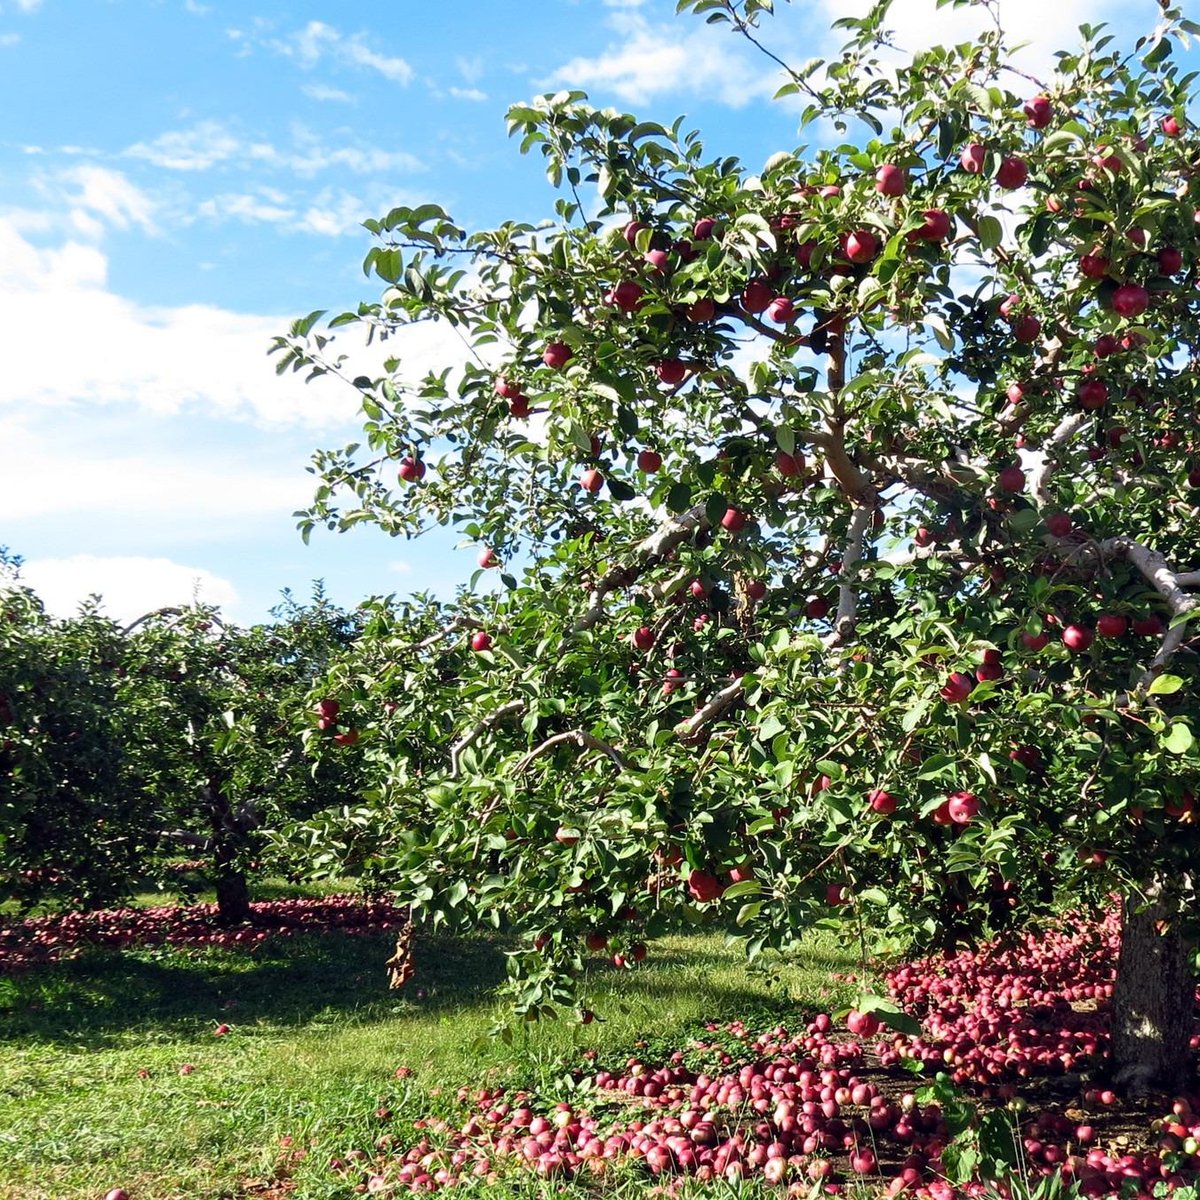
column 881, row 456
column 123, row 747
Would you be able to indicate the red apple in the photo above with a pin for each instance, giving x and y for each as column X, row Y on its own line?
column 328, row 709
column 518, row 407
column 670, row 371
column 591, row 480
column 1170, row 260
column 507, row 390
column 881, row 802
column 1035, row 641
column 481, row 640
column 702, row 310
column 412, row 470
column 860, row 246
column 781, row 310
column 1012, row 173
column 1026, row 328
column 1092, row 394
column 346, row 739
column 891, row 180
column 862, row 1024
column 972, row 158
column 633, row 229
column 1011, row 479
column 1039, row 112
column 649, row 461
column 1093, row 265
column 557, row 355
column 703, row 229
column 836, row 894
column 1171, row 126
column 627, row 295
column 937, row 227
column 757, row 296
column 1077, row 638
column 1112, row 625
column 789, row 465
column 487, row 558
column 816, row 608
column 1130, row 300
column 704, row 886
column 733, row 520
column 756, row 589
column 643, row 637
column 962, row 807
column 957, row 688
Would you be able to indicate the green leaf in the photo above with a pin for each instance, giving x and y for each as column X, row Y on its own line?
column 1178, row 738
column 1165, row 685
column 679, row 498
column 715, row 507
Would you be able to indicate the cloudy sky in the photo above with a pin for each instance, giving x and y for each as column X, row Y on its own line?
column 181, row 178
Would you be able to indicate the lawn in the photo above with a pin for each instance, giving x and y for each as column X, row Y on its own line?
column 111, row 1072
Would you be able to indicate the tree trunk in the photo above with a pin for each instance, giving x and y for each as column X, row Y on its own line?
column 1154, row 999
column 233, row 894
column 233, row 897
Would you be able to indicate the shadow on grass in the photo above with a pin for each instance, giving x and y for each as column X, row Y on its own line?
column 308, row 979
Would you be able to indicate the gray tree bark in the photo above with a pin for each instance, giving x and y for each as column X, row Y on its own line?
column 1154, row 999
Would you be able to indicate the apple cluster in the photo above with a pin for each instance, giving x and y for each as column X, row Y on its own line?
column 61, row 936
column 828, row 1105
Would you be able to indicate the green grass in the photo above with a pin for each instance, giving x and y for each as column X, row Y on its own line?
column 316, row 1039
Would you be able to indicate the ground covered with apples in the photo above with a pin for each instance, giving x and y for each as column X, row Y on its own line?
column 152, row 1056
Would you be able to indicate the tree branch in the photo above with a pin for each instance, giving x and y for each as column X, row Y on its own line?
column 1064, row 431
column 843, row 621
column 476, row 731
column 717, row 706
column 582, row 739
column 660, row 543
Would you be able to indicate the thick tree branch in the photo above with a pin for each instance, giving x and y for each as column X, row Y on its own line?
column 477, row 730
column 716, row 707
column 1158, row 572
column 652, row 549
column 582, row 739
column 843, row 621
column 1064, row 431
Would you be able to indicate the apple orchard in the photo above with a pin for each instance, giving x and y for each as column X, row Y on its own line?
column 845, row 514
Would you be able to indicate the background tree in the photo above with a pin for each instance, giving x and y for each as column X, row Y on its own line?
column 70, row 829
column 213, row 708
column 851, row 512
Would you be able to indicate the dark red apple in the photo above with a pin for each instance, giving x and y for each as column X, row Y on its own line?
column 481, row 640
column 1039, row 112
column 1077, row 638
column 972, row 158
column 891, row 180
column 649, row 461
column 1013, row 172
column 670, row 371
column 591, row 480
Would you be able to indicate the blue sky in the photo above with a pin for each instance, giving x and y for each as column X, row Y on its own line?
column 181, row 178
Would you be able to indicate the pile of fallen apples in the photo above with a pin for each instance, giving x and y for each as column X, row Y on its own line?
column 837, row 1100
column 52, row 938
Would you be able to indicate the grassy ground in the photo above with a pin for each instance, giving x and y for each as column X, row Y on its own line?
column 92, row 1091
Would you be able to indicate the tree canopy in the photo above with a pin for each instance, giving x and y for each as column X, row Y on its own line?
column 844, row 508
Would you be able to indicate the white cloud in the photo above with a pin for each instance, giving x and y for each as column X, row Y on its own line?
column 468, row 93
column 647, row 60
column 323, row 92
column 196, row 149
column 318, row 41
column 130, row 586
column 169, row 360
column 472, row 68
column 1047, row 27
column 209, row 144
column 107, row 196
column 9, row 39
column 161, row 359
column 250, row 208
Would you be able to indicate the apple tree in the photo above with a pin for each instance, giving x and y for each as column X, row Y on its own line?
column 842, row 515
column 70, row 829
column 211, row 709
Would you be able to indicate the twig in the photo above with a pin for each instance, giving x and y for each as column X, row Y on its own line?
column 689, row 730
